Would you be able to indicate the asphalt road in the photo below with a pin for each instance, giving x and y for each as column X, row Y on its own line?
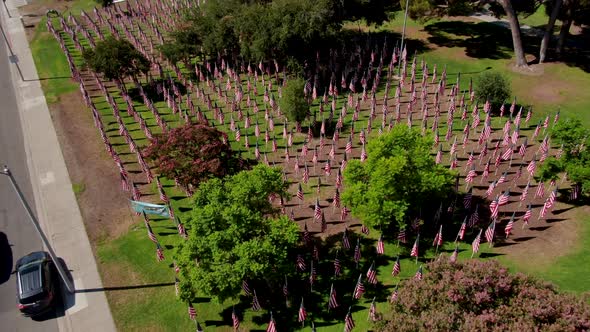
column 17, row 235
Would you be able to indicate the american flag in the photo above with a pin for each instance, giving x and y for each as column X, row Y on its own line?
column 544, row 209
column 528, row 115
column 336, row 200
column 418, row 275
column 235, row 320
column 540, row 190
column 301, row 263
column 300, row 192
column 150, row 233
column 476, row 242
column 345, row 241
column 312, row 274
column 333, row 303
column 506, row 155
column 159, row 252
column 380, row 245
column 494, row 208
column 394, row 295
column 523, row 147
column 453, row 258
column 502, row 178
column 337, row 267
column 552, row 197
column 255, row 303
column 357, row 251
column 364, row 229
column 271, row 325
column 124, row 182
column 339, row 179
column 401, row 236
column 462, row 229
column 528, row 214
column 317, row 210
column 364, row 154
column 302, row 313
column 348, row 147
column 373, row 311
column 396, row 267
column 467, row 198
column 414, row 252
column 192, row 313
column 324, row 224
column 504, row 198
column 359, row 289
column 438, row 239
column 509, row 225
column 532, row 166
column 372, row 274
column 327, row 168
column 246, row 288
column 524, row 192
column 490, row 231
column 348, row 322
column 471, row 175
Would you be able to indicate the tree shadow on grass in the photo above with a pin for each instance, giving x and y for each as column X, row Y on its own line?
column 481, row 40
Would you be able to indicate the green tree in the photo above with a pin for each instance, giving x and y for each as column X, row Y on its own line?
column 482, row 296
column 293, row 102
column 575, row 160
column 396, row 179
column 105, row 3
column 193, row 153
column 492, row 86
column 184, row 46
column 236, row 234
column 116, row 59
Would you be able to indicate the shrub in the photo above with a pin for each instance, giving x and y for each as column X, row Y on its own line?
column 492, row 86
column 193, row 153
column 293, row 102
column 483, row 296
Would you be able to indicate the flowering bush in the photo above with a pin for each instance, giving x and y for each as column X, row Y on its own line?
column 483, row 296
column 193, row 153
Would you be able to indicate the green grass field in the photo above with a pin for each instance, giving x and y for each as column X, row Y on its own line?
column 130, row 259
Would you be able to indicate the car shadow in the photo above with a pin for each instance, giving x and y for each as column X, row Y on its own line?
column 64, row 299
column 6, row 258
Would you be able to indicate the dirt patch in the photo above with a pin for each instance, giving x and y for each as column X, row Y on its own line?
column 103, row 204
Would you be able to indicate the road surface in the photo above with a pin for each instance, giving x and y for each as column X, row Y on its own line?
column 17, row 235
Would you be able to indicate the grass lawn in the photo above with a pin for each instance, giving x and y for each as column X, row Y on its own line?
column 130, row 259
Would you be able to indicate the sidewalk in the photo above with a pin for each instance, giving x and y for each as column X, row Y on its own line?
column 56, row 206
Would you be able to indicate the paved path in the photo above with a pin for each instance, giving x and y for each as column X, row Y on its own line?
column 17, row 235
column 56, row 207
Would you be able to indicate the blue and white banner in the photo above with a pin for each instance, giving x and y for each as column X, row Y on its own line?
column 149, row 208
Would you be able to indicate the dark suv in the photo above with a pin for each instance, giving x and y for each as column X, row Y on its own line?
column 36, row 284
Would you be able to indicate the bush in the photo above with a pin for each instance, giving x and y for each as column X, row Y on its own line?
column 483, row 296
column 492, row 86
column 293, row 102
column 193, row 153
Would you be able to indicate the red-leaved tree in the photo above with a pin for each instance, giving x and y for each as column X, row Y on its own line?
column 483, row 296
column 193, row 153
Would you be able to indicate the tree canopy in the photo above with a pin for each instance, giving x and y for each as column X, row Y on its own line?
column 293, row 102
column 575, row 160
column 482, row 296
column 235, row 235
column 278, row 29
column 193, row 153
column 493, row 87
column 116, row 59
column 398, row 176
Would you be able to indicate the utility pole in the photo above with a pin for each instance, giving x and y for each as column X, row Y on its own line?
column 60, row 270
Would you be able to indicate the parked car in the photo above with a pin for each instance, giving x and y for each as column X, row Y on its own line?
column 36, row 283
